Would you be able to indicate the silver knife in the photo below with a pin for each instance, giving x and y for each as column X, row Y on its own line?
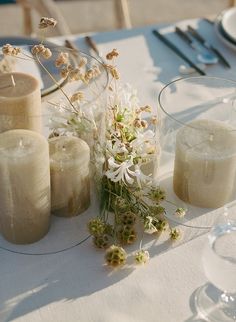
column 207, row 45
column 204, row 57
column 177, row 51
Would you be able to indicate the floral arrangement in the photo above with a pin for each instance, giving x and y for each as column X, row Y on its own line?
column 129, row 194
column 125, row 154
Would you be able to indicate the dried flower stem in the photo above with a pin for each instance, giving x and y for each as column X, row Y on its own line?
column 56, row 82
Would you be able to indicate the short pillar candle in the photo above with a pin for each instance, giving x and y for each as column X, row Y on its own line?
column 205, row 163
column 70, row 180
column 20, row 102
column 25, row 186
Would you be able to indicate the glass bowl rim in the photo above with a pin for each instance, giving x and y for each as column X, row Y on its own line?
column 54, row 46
column 78, row 51
column 186, row 79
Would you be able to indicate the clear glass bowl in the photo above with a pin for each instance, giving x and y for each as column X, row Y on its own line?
column 198, row 141
column 64, row 233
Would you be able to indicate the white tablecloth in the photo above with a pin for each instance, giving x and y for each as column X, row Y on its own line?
column 74, row 285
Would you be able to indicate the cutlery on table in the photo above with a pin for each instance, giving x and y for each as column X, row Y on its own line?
column 177, row 51
column 208, row 21
column 207, row 45
column 203, row 56
column 69, row 44
column 91, row 44
column 74, row 49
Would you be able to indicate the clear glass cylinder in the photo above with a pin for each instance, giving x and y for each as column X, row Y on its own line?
column 198, row 134
column 61, row 113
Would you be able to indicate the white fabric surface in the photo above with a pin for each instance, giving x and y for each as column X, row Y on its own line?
column 74, row 285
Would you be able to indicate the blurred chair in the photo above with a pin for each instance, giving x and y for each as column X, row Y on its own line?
column 151, row 12
column 82, row 16
column 50, row 8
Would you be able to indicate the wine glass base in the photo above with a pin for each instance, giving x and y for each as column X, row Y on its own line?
column 211, row 307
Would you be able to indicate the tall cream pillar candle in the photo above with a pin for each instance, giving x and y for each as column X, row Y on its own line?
column 20, row 102
column 205, row 163
column 24, row 186
column 70, row 181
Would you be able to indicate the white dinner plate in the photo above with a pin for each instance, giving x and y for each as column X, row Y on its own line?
column 30, row 67
column 228, row 23
column 222, row 35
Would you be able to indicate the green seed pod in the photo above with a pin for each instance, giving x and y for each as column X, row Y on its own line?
column 175, row 234
column 160, row 225
column 141, row 257
column 120, row 205
column 115, row 256
column 126, row 235
column 101, row 241
column 127, row 218
column 96, row 227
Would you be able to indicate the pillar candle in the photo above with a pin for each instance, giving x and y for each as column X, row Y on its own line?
column 205, row 163
column 20, row 102
column 24, row 186
column 70, row 181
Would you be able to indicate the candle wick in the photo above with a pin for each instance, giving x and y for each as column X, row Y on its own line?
column 13, row 81
column 21, row 145
column 211, row 137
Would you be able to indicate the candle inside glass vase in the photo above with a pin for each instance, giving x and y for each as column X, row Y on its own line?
column 70, row 181
column 25, row 186
column 20, row 102
column 205, row 163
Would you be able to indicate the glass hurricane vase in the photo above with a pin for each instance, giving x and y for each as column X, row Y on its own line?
column 198, row 137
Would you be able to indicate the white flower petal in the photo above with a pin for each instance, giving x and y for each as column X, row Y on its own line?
column 120, row 172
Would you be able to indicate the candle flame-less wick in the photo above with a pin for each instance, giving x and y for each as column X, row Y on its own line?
column 13, row 81
column 211, row 137
column 21, row 145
